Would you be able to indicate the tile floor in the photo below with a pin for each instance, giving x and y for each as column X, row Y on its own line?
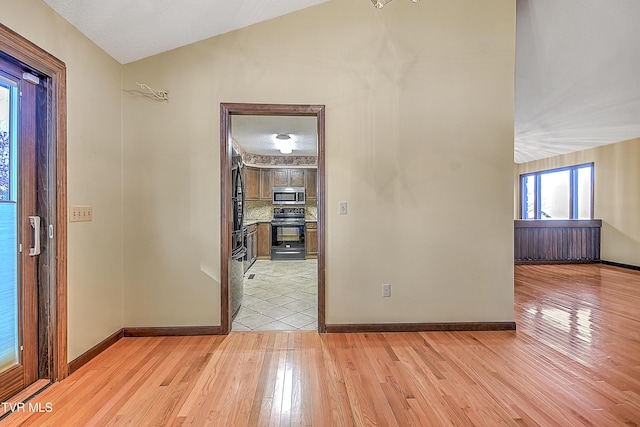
column 282, row 296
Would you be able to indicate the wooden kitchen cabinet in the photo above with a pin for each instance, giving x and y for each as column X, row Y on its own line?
column 311, row 236
column 296, row 177
column 280, row 177
column 288, row 177
column 263, row 180
column 252, row 183
column 311, row 183
column 266, row 183
column 264, row 239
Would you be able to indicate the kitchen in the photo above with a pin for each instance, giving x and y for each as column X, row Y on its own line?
column 278, row 213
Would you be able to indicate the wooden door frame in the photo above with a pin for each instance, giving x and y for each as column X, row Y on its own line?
column 226, row 111
column 30, row 55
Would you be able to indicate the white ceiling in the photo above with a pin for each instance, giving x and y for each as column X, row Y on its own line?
column 577, row 75
column 577, row 62
column 256, row 134
column 129, row 30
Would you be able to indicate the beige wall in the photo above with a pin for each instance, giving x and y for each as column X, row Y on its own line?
column 616, row 194
column 419, row 141
column 94, row 156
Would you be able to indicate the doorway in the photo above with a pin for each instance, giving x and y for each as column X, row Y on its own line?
column 32, row 216
column 260, row 234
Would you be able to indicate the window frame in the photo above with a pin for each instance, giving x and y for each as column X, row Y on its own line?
column 573, row 191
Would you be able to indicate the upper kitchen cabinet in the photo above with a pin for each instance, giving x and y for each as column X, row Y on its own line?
column 280, row 177
column 288, row 177
column 311, row 183
column 266, row 183
column 260, row 181
column 296, row 177
column 252, row 183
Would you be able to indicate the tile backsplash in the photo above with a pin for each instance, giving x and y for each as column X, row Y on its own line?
column 262, row 210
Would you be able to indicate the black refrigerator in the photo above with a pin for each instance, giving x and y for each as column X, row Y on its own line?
column 237, row 239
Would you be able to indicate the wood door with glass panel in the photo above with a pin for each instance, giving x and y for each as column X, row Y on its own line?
column 19, row 228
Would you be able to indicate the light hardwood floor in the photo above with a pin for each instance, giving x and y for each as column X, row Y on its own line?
column 574, row 360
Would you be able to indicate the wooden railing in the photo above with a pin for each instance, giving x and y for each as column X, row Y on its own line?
column 556, row 241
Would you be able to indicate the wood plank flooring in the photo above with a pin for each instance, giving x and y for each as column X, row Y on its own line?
column 574, row 360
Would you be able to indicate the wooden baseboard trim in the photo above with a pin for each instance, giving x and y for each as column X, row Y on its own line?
column 85, row 357
column 553, row 262
column 172, row 331
column 617, row 264
column 423, row 327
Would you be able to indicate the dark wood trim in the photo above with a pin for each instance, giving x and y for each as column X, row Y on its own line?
column 28, row 266
column 241, row 109
column 322, row 326
column 422, row 327
column 42, row 62
column 174, row 331
column 225, row 217
column 226, row 110
column 88, row 355
column 555, row 223
column 45, row 260
column 618, row 264
column 554, row 261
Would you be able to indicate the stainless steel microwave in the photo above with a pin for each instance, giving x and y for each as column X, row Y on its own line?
column 288, row 196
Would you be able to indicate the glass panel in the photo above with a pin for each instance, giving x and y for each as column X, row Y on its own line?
column 288, row 234
column 8, row 231
column 5, row 147
column 528, row 197
column 554, row 195
column 584, row 192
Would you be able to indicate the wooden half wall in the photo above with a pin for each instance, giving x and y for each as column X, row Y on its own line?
column 556, row 241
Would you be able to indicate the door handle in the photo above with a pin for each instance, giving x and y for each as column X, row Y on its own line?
column 35, row 224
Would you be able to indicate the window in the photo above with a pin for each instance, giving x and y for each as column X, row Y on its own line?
column 9, row 334
column 565, row 193
column 8, row 94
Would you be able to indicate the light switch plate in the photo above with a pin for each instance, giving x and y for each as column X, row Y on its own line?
column 386, row 290
column 342, row 208
column 79, row 213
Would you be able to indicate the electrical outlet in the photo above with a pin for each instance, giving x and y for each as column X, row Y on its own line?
column 80, row 213
column 386, row 290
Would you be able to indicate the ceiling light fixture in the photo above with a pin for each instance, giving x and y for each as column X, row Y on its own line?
column 284, row 143
column 380, row 3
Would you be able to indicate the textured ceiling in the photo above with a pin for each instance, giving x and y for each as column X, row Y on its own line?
column 129, row 30
column 577, row 75
column 577, row 62
column 256, row 134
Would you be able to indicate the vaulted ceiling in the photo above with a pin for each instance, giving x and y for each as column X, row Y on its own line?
column 577, row 75
column 577, row 63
